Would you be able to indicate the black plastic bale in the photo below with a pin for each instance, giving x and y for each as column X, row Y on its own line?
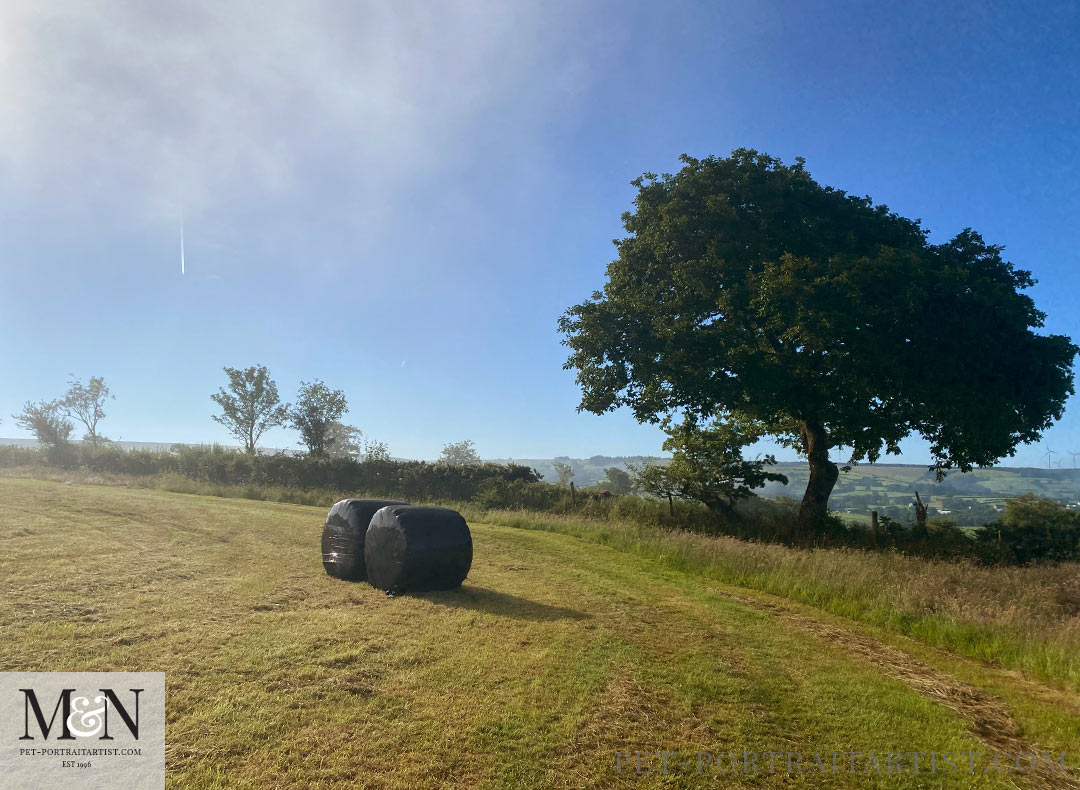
column 343, row 536
column 409, row 547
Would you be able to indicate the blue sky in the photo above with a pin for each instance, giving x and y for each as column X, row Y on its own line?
column 400, row 199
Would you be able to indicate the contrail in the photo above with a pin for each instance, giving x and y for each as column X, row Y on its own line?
column 181, row 248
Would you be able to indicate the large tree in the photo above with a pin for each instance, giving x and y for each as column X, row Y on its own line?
column 318, row 409
column 747, row 289
column 250, row 406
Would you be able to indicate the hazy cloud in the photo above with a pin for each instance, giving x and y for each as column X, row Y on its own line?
column 180, row 108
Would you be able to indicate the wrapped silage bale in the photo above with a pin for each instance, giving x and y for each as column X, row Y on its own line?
column 415, row 548
column 343, row 536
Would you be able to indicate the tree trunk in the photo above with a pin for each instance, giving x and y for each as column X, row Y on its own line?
column 823, row 475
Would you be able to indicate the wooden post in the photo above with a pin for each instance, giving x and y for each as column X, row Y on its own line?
column 875, row 525
column 573, row 495
column 670, row 506
column 920, row 514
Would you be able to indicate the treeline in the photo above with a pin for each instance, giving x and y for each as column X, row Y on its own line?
column 1030, row 530
column 501, row 485
column 249, row 408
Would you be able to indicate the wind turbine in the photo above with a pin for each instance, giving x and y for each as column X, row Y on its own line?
column 1073, row 453
column 1049, row 452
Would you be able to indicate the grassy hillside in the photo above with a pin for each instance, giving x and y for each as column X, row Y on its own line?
column 556, row 654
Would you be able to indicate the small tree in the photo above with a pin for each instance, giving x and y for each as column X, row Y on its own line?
column 344, row 441
column 251, row 406
column 461, row 453
column 317, row 409
column 375, row 450
column 47, row 421
column 1038, row 514
column 654, row 480
column 87, row 405
column 617, row 481
column 564, row 471
column 707, row 466
column 1031, row 529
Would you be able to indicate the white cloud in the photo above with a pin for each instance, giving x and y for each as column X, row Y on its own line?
column 170, row 108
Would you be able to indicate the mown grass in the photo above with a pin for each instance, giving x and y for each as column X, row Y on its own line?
column 176, row 483
column 554, row 655
column 1019, row 618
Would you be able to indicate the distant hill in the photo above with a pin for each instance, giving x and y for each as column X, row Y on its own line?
column 888, row 481
column 971, row 499
column 902, row 480
column 587, row 471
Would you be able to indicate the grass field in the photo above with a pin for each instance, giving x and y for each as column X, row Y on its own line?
column 1021, row 618
column 555, row 655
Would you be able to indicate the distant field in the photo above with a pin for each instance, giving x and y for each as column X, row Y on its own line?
column 998, row 482
column 972, row 499
column 556, row 654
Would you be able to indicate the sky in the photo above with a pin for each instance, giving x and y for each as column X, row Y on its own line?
column 401, row 198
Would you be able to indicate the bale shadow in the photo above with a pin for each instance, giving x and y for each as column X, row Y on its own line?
column 481, row 599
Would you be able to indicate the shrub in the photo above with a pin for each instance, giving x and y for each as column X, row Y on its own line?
column 1032, row 529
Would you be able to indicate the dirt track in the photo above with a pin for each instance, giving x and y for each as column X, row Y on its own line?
column 989, row 718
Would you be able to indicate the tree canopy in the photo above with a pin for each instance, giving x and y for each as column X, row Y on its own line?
column 86, row 403
column 344, row 441
column 461, row 453
column 707, row 466
column 564, row 471
column 746, row 289
column 250, row 406
column 617, row 481
column 48, row 422
column 316, row 413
